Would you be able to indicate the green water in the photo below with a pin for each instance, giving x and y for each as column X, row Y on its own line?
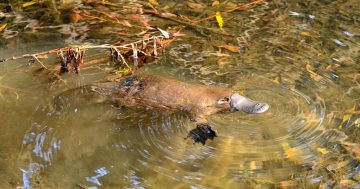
column 301, row 57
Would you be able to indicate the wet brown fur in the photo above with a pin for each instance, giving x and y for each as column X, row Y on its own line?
column 157, row 92
column 161, row 92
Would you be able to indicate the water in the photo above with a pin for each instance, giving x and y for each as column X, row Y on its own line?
column 301, row 57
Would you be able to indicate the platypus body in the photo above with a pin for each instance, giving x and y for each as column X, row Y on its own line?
column 161, row 92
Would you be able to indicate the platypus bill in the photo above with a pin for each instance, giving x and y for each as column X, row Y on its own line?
column 161, row 92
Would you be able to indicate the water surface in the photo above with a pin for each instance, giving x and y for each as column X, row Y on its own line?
column 301, row 57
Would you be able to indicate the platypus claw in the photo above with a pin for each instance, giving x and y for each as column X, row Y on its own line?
column 201, row 133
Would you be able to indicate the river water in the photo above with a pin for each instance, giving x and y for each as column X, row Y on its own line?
column 301, row 57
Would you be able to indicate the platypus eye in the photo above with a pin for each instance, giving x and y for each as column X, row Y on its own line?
column 224, row 100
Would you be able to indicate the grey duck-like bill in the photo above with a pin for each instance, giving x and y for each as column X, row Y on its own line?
column 241, row 103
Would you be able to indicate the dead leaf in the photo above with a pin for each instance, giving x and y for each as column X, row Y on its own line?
column 195, row 5
column 316, row 77
column 219, row 19
column 75, row 17
column 305, row 34
column 164, row 33
column 337, row 165
column 153, row 2
column 353, row 149
column 168, row 15
column 288, row 183
column 346, row 117
column 323, row 150
column 27, row 4
column 146, row 36
column 347, row 183
column 222, row 61
column 215, row 3
column 2, row 27
column 142, row 20
column 126, row 23
column 231, row 48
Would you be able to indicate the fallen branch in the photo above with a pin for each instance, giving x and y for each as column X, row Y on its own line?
column 74, row 55
column 59, row 50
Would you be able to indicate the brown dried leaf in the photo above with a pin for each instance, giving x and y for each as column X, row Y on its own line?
column 305, row 34
column 353, row 149
column 316, row 77
column 215, row 3
column 126, row 23
column 146, row 36
column 347, row 183
column 142, row 20
column 168, row 15
column 153, row 2
column 222, row 61
column 75, row 17
column 231, row 48
column 288, row 183
column 195, row 5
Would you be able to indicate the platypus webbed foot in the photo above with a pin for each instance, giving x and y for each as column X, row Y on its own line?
column 244, row 104
column 201, row 133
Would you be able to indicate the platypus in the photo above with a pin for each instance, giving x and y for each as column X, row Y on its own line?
column 161, row 92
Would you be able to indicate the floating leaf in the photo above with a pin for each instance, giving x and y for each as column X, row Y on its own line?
column 347, row 183
column 126, row 23
column 195, row 5
column 153, row 2
column 346, row 117
column 316, row 77
column 353, row 149
column 164, row 33
column 215, row 3
column 219, row 19
column 231, row 48
column 323, row 150
column 289, row 152
column 17, row 95
column 222, row 61
column 306, row 34
column 2, row 27
column 288, row 183
column 75, row 17
column 27, row 4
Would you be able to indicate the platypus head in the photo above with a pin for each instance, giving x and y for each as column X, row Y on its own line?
column 241, row 103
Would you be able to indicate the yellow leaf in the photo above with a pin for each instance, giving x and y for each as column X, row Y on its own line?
column 231, row 48
column 289, row 152
column 219, row 19
column 215, row 3
column 17, row 95
column 323, row 150
column 153, row 2
column 346, row 117
column 28, row 4
column 306, row 34
column 2, row 27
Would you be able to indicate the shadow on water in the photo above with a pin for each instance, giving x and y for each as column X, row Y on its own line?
column 301, row 57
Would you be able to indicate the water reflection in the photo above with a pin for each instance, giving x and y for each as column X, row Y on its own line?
column 300, row 57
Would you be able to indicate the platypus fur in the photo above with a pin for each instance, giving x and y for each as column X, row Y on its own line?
column 166, row 93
